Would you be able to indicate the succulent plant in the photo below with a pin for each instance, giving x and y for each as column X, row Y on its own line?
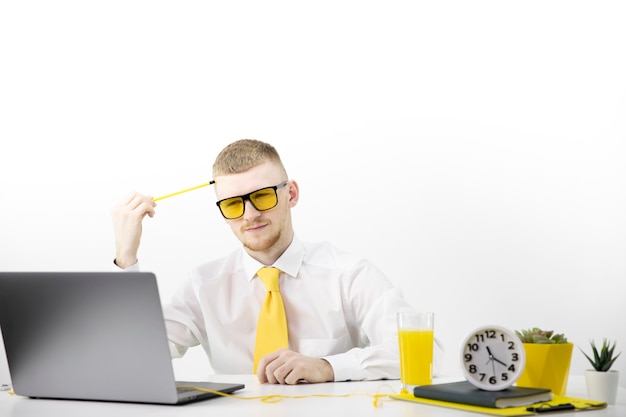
column 537, row 335
column 603, row 358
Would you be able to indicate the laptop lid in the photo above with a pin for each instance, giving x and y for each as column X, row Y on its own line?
column 90, row 336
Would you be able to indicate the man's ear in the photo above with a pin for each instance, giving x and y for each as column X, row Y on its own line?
column 294, row 193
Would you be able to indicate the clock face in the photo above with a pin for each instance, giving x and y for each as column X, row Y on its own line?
column 492, row 358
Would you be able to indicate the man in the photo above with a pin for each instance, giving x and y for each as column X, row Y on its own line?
column 340, row 309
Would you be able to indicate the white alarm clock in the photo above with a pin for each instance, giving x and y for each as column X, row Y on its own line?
column 492, row 358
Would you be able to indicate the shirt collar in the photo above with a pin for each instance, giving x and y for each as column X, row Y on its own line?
column 289, row 262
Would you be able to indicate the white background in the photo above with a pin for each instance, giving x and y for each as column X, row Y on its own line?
column 473, row 150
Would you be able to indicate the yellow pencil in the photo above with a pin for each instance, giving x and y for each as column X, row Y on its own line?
column 183, row 191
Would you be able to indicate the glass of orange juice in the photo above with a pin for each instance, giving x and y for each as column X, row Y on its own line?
column 415, row 340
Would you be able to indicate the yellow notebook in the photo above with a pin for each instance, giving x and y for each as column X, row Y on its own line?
column 579, row 404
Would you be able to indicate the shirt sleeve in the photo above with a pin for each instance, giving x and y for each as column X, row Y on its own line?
column 132, row 268
column 181, row 316
column 378, row 355
column 374, row 303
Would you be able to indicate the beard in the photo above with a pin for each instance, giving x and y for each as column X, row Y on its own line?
column 258, row 245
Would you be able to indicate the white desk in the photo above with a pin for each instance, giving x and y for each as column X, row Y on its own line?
column 357, row 405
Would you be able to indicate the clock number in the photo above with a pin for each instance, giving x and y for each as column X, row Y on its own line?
column 472, row 369
column 511, row 368
column 514, row 357
column 491, row 334
column 482, row 376
column 468, row 357
column 511, row 345
column 472, row 346
column 493, row 380
column 505, row 376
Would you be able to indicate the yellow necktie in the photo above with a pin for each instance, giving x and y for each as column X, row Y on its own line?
column 271, row 330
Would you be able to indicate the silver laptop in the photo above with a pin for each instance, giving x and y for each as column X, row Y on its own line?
column 91, row 336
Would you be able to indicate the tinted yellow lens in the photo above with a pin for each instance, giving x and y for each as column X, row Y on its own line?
column 264, row 199
column 232, row 207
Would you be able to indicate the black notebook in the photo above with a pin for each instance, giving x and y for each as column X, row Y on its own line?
column 463, row 392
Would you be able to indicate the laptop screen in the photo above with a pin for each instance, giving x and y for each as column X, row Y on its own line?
column 86, row 335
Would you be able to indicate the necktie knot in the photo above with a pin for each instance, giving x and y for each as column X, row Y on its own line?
column 269, row 276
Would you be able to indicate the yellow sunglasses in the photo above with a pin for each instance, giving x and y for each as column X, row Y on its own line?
column 263, row 199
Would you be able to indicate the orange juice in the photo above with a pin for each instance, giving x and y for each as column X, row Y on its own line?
column 416, row 356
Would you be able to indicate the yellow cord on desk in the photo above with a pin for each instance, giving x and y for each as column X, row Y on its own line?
column 278, row 397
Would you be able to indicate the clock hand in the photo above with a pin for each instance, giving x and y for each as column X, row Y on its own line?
column 499, row 361
column 490, row 355
column 493, row 358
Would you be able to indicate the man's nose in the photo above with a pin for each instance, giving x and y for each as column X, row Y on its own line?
column 249, row 210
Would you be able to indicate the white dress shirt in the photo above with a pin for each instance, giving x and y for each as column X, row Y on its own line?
column 339, row 307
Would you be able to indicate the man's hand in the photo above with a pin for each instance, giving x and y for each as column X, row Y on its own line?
column 127, row 216
column 288, row 367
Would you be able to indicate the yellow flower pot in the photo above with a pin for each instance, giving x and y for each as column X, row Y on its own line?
column 547, row 366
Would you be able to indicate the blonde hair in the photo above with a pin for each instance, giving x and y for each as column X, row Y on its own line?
column 244, row 154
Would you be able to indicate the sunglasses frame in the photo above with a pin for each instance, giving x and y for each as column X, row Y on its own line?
column 246, row 197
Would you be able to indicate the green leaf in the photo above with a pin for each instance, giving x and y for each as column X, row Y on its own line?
column 603, row 358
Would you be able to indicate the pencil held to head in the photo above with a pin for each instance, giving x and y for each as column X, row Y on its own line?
column 183, row 191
